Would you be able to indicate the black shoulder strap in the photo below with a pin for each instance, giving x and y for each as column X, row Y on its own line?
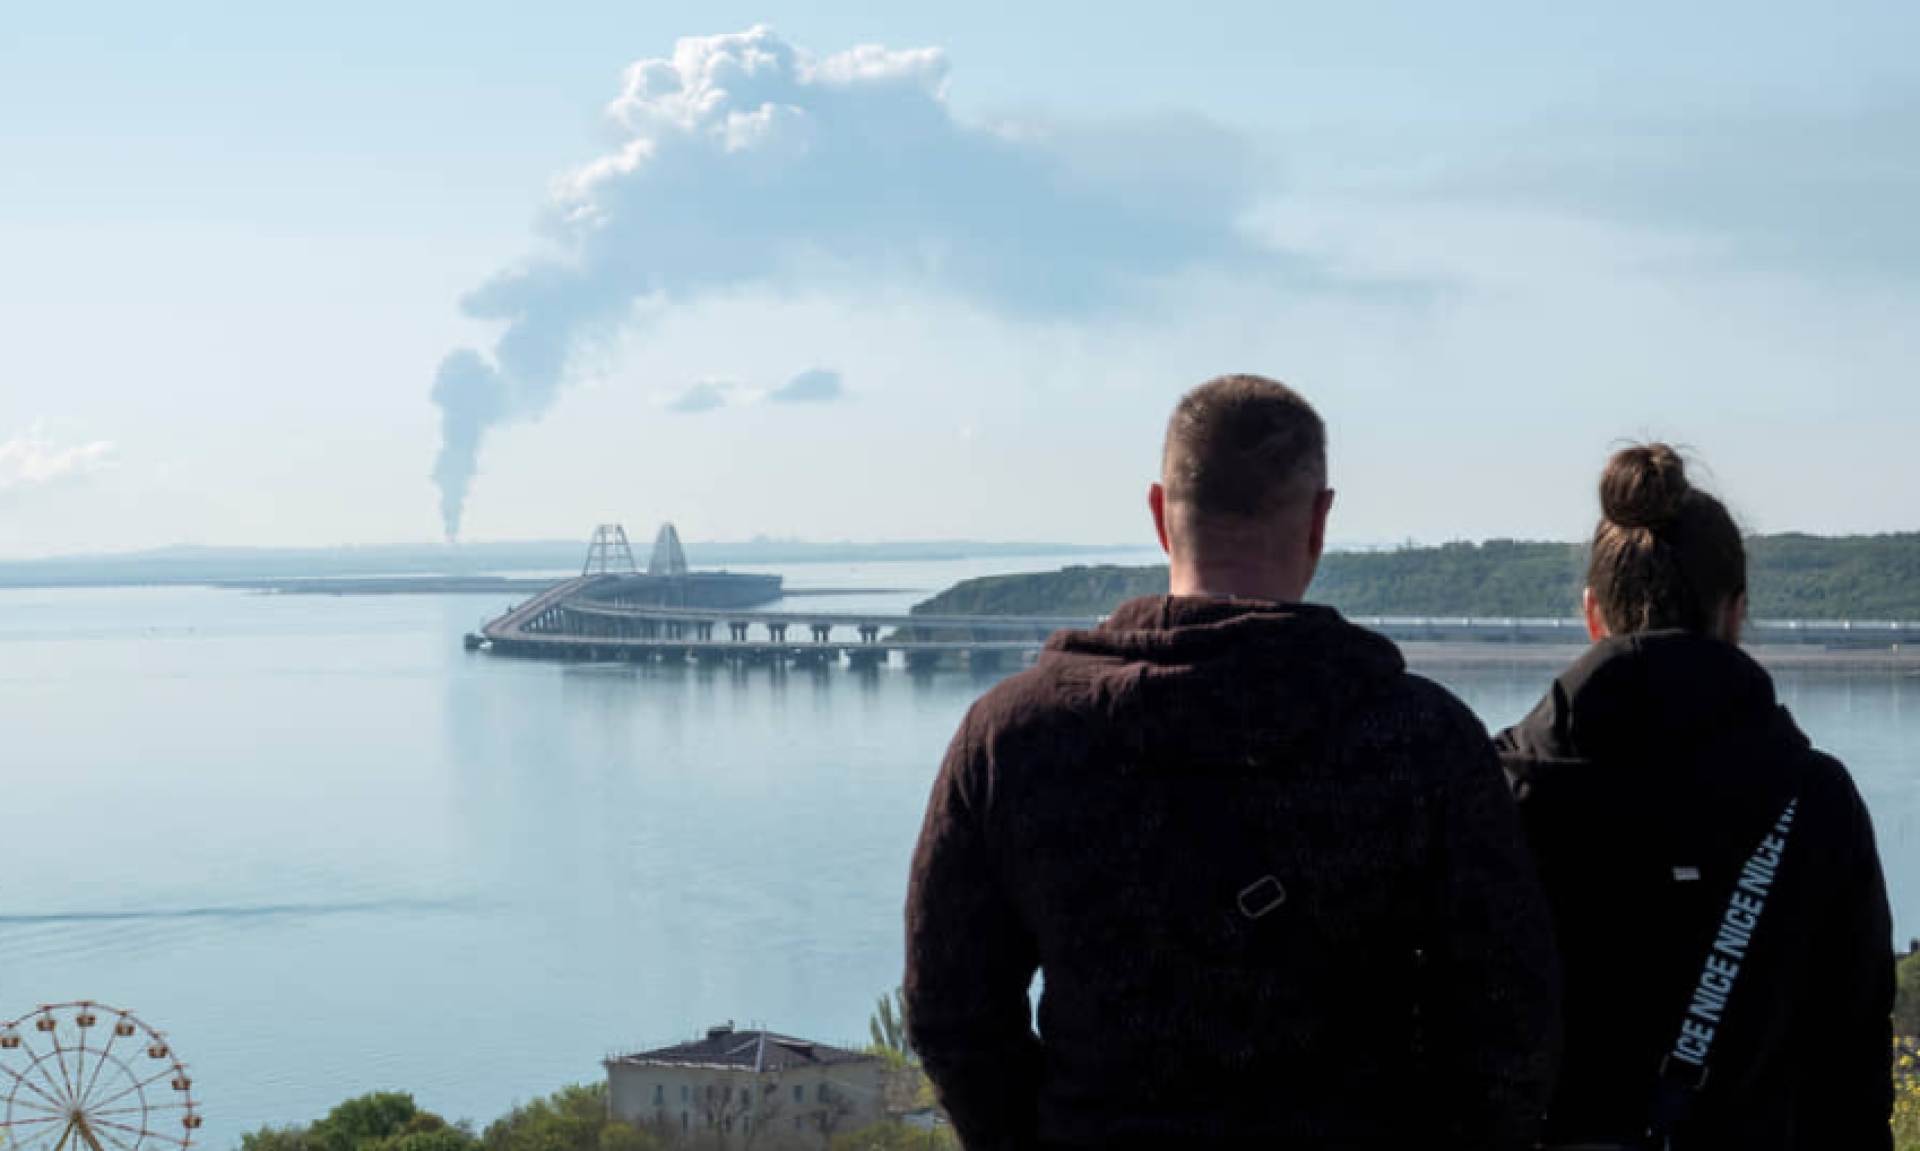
column 1684, row 1070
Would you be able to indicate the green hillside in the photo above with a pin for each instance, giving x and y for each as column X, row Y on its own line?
column 1791, row 576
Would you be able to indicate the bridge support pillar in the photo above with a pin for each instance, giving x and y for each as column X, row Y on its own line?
column 822, row 632
column 777, row 632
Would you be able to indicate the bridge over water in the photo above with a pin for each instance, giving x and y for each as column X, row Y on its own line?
column 586, row 619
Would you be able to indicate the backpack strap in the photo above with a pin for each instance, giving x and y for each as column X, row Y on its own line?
column 1684, row 1070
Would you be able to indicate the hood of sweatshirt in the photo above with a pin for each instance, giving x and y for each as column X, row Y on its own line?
column 1659, row 693
column 1671, row 733
column 1190, row 679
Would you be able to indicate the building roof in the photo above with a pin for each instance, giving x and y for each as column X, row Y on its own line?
column 745, row 1051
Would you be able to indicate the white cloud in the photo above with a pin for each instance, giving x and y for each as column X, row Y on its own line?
column 30, row 460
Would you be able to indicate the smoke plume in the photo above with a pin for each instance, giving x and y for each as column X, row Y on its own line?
column 744, row 161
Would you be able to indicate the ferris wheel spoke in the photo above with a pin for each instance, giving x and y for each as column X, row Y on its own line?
column 100, row 1064
column 12, row 1123
column 39, row 1064
column 142, row 1132
column 15, row 1099
column 42, row 1138
column 30, row 1138
column 110, row 1137
column 91, row 1112
column 141, row 1085
column 126, row 1075
column 60, row 1056
column 80, row 1068
column 31, row 1105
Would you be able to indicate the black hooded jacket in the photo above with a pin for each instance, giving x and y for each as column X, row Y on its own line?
column 1223, row 830
column 1647, row 777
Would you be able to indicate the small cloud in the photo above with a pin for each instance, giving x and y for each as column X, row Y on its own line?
column 818, row 386
column 701, row 397
column 31, row 460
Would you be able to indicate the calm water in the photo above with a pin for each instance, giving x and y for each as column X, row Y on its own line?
column 330, row 852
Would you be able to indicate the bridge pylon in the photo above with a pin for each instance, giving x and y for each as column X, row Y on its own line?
column 610, row 553
column 669, row 559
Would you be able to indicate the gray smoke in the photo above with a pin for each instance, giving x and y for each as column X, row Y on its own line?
column 742, row 160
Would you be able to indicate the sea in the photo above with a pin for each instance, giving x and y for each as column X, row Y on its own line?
column 326, row 850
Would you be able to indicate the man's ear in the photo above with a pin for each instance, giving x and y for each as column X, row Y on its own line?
column 1157, row 504
column 1317, row 530
column 1596, row 623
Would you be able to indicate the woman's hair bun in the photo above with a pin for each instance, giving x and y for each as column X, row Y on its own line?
column 1644, row 486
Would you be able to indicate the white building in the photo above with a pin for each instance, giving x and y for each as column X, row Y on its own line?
column 747, row 1089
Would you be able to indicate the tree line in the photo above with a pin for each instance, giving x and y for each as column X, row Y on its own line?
column 1789, row 577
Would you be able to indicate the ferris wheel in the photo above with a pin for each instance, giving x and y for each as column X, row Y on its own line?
column 88, row 1077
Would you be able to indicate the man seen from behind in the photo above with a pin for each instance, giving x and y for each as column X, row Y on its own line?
column 1275, row 885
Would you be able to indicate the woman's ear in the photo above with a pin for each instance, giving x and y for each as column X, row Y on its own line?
column 1596, row 623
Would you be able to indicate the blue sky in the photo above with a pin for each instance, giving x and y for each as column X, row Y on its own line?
column 949, row 289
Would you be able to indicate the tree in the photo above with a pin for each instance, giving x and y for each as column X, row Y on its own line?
column 277, row 1139
column 893, row 1136
column 568, row 1120
column 445, row 1138
column 1906, row 1000
column 364, row 1120
column 888, row 1028
column 618, row 1136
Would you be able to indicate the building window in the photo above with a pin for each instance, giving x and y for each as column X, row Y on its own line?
column 799, row 1093
column 683, row 1093
column 798, row 1122
column 822, row 1096
column 683, row 1121
column 659, row 1094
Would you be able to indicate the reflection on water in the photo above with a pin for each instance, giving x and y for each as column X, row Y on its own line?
column 330, row 852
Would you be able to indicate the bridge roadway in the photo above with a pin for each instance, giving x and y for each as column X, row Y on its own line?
column 565, row 621
column 1042, row 624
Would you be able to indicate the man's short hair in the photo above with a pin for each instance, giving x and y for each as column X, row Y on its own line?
column 1243, row 447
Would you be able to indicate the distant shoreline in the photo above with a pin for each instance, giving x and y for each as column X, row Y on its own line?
column 212, row 567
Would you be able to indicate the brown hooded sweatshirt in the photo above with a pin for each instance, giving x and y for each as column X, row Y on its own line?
column 1275, row 885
